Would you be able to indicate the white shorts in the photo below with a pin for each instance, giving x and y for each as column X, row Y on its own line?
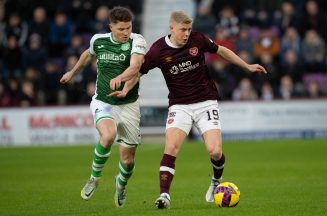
column 126, row 117
column 204, row 116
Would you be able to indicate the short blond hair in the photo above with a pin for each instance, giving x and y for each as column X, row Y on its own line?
column 180, row 17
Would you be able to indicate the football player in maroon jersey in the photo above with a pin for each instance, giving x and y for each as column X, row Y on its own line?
column 192, row 96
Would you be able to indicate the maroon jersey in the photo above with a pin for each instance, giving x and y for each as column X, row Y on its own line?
column 184, row 69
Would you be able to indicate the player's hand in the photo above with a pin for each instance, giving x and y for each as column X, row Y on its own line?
column 256, row 68
column 66, row 77
column 115, row 83
column 119, row 94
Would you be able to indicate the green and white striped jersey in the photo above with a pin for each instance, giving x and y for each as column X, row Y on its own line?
column 112, row 60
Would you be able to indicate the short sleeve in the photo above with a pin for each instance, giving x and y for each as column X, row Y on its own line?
column 91, row 48
column 138, row 45
column 208, row 44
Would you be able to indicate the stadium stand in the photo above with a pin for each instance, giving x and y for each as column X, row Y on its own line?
column 34, row 52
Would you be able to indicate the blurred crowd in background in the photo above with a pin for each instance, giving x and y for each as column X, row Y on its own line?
column 41, row 40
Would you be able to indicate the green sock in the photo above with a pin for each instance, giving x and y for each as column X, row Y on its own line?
column 100, row 156
column 124, row 173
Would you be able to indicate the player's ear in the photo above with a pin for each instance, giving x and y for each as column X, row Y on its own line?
column 110, row 27
column 171, row 27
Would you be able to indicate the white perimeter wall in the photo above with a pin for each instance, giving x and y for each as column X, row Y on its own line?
column 240, row 120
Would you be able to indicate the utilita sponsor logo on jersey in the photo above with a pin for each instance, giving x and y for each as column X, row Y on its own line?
column 62, row 121
column 183, row 67
column 112, row 57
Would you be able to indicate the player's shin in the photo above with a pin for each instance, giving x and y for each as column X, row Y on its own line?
column 100, row 157
column 218, row 167
column 125, row 172
column 167, row 171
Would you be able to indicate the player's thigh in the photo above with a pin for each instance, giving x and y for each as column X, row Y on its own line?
column 107, row 130
column 128, row 132
column 178, row 125
column 104, row 119
column 174, row 140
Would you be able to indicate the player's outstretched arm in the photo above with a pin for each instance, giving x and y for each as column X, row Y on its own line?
column 235, row 59
column 82, row 62
column 130, row 72
column 127, row 87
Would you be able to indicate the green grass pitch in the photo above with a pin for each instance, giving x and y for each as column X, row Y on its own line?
column 275, row 178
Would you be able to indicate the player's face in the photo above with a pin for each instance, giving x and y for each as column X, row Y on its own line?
column 121, row 31
column 180, row 33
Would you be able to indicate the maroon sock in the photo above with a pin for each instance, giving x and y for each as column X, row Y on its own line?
column 167, row 171
column 218, row 167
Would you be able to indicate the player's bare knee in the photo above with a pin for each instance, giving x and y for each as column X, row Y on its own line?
column 128, row 162
column 171, row 149
column 215, row 153
column 107, row 140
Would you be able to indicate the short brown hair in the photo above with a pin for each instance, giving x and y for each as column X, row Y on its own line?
column 180, row 17
column 120, row 14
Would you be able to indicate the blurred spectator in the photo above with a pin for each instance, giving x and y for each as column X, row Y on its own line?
column 12, row 57
column 222, row 38
column 75, row 88
column 292, row 67
column 50, row 83
column 27, row 96
column 267, row 43
column 239, row 73
column 248, row 17
column 286, row 89
column 245, row 43
column 313, row 90
column 15, row 26
column 33, row 75
column 290, row 41
column 204, row 21
column 245, row 91
column 76, row 48
column 286, row 17
column 40, row 25
column 87, row 96
column 5, row 98
column 313, row 19
column 101, row 20
column 61, row 33
column 81, row 11
column 34, row 55
column 263, row 19
column 267, row 92
column 274, row 73
column 13, row 89
column 228, row 21
column 313, row 51
column 223, row 79
column 90, row 73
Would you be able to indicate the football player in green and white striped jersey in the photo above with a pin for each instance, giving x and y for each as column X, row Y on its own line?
column 116, row 118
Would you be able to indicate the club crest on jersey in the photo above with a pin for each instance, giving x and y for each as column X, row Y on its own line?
column 193, row 51
column 125, row 46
